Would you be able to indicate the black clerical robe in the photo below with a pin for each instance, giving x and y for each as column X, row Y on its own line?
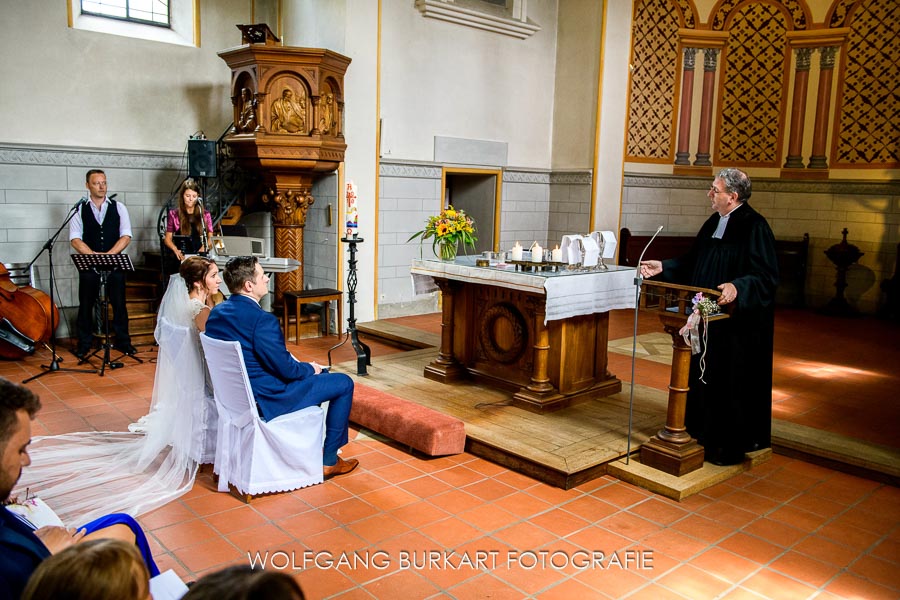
column 732, row 412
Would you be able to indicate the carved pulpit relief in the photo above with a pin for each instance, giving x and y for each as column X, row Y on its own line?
column 247, row 121
column 289, row 206
column 288, row 111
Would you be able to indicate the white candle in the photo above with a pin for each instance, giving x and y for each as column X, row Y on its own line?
column 537, row 253
column 352, row 211
column 516, row 253
column 556, row 255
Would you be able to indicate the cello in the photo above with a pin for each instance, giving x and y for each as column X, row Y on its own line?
column 27, row 317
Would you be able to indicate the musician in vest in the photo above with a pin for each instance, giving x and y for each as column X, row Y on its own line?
column 101, row 225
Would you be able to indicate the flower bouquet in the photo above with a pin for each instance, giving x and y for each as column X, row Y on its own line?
column 446, row 231
column 703, row 308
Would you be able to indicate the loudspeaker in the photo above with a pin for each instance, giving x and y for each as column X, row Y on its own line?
column 202, row 158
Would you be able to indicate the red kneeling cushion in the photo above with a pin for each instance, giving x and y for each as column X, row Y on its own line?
column 418, row 426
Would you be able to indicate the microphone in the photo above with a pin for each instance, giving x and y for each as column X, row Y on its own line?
column 113, row 197
column 638, row 279
column 637, row 297
column 80, row 202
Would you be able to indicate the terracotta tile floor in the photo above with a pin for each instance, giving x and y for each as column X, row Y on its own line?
column 460, row 527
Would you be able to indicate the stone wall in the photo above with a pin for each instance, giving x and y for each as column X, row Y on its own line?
column 38, row 186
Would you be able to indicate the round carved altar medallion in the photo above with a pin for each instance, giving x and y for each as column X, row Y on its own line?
column 503, row 333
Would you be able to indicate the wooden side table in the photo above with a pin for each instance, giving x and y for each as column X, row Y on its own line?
column 300, row 297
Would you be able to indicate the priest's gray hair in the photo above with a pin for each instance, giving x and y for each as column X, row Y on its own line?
column 736, row 181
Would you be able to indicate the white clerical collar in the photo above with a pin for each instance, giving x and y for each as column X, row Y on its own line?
column 723, row 222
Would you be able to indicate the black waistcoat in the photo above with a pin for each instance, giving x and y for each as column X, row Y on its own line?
column 100, row 237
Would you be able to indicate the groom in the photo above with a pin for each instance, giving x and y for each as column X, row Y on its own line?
column 281, row 384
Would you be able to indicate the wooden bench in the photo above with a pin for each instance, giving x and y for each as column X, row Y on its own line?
column 792, row 260
column 297, row 298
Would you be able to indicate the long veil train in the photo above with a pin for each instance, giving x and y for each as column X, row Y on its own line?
column 84, row 475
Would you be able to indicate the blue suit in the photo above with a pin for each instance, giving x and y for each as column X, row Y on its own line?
column 23, row 551
column 280, row 383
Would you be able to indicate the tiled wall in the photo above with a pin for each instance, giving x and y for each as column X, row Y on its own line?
column 525, row 208
column 38, row 187
column 320, row 239
column 570, row 204
column 410, row 193
column 870, row 211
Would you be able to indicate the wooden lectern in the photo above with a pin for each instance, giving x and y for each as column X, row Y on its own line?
column 672, row 450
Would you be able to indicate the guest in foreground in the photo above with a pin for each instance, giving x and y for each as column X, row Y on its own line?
column 95, row 570
column 281, row 384
column 25, row 546
column 245, row 583
column 100, row 226
column 731, row 413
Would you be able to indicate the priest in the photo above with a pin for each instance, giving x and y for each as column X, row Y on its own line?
column 729, row 410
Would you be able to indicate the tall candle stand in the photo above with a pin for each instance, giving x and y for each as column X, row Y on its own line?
column 363, row 353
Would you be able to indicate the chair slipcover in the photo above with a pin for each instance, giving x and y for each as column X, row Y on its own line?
column 259, row 456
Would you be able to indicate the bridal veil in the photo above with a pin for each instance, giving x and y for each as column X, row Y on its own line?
column 84, row 475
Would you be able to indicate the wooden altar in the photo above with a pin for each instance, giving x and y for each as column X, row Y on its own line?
column 496, row 328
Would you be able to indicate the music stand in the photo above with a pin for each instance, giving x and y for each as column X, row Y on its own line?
column 184, row 244
column 103, row 265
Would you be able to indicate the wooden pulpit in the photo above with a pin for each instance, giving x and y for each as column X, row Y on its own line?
column 288, row 128
column 672, row 450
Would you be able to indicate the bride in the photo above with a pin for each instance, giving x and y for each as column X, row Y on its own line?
column 87, row 474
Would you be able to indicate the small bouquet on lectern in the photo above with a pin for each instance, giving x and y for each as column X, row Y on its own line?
column 446, row 231
column 703, row 308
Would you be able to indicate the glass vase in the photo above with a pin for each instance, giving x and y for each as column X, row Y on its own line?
column 447, row 251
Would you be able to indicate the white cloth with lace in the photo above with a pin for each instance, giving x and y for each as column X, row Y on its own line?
column 84, row 475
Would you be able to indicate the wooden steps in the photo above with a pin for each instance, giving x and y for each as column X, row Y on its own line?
column 142, row 294
column 401, row 336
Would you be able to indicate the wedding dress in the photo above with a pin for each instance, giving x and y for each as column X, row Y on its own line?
column 84, row 475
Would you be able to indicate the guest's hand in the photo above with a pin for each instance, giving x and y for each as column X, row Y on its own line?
column 316, row 367
column 729, row 293
column 57, row 539
column 649, row 268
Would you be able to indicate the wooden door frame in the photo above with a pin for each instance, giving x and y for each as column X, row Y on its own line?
column 498, row 193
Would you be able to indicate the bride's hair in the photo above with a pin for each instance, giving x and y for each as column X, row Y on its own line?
column 193, row 270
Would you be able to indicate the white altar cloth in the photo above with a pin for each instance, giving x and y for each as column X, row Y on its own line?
column 568, row 293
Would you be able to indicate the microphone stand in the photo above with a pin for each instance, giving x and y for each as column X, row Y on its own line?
column 638, row 280
column 54, row 367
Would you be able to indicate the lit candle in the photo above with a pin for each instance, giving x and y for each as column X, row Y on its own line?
column 516, row 253
column 556, row 255
column 537, row 253
column 352, row 212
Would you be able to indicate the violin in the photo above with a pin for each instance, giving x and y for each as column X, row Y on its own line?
column 27, row 317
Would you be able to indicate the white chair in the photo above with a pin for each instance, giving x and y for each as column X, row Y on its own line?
column 257, row 456
column 179, row 353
